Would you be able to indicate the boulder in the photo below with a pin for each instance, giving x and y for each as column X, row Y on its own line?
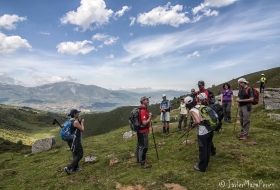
column 271, row 98
column 43, row 145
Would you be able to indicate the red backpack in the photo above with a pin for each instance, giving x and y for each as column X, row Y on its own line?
column 256, row 95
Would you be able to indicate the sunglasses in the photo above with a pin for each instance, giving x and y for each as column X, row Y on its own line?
column 193, row 91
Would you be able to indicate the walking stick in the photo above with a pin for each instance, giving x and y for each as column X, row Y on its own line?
column 235, row 118
column 154, row 138
column 56, row 122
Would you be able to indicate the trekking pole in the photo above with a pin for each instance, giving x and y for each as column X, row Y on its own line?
column 55, row 121
column 235, row 118
column 185, row 133
column 154, row 138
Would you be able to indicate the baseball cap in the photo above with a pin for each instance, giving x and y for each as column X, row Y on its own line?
column 188, row 100
column 202, row 96
column 144, row 98
column 73, row 111
column 201, row 83
column 242, row 80
column 163, row 95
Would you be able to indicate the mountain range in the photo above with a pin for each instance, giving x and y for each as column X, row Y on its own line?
column 62, row 96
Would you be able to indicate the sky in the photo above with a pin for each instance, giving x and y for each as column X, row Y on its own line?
column 118, row 44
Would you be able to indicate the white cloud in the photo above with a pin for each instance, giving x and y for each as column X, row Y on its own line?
column 111, row 56
column 107, row 40
column 89, row 12
column 52, row 79
column 9, row 44
column 45, row 33
column 206, row 12
column 219, row 3
column 9, row 80
column 75, row 48
column 194, row 54
column 132, row 21
column 121, row 12
column 8, row 21
column 131, row 34
column 169, row 15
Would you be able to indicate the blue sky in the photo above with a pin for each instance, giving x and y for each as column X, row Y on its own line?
column 137, row 43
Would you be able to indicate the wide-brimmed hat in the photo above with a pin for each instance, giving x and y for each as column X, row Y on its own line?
column 262, row 74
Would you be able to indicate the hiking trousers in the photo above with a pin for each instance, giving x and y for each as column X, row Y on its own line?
column 182, row 118
column 142, row 147
column 226, row 110
column 204, row 146
column 244, row 116
column 261, row 87
column 77, row 153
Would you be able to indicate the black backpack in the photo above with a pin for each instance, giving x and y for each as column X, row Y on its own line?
column 212, row 97
column 133, row 119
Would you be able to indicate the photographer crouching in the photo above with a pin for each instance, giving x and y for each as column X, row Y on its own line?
column 76, row 144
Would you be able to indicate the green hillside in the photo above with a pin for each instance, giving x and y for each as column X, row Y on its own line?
column 236, row 165
column 272, row 75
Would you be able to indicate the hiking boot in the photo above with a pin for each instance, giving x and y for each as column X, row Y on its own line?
column 163, row 130
column 77, row 170
column 195, row 167
column 243, row 138
column 240, row 135
column 67, row 170
column 145, row 166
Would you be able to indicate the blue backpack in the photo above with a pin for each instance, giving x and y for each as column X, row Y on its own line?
column 65, row 131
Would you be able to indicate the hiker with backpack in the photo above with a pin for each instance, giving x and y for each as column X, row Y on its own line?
column 227, row 101
column 204, row 135
column 75, row 145
column 245, row 99
column 165, row 114
column 144, row 120
column 201, row 89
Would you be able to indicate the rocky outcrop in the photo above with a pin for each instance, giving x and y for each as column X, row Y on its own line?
column 43, row 145
column 271, row 98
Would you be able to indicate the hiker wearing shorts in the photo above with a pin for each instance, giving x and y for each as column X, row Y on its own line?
column 227, row 102
column 144, row 120
column 245, row 107
column 76, row 144
column 204, row 136
column 165, row 114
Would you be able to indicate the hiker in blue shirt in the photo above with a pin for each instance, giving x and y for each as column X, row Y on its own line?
column 165, row 114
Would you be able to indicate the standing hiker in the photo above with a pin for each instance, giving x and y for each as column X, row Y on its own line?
column 227, row 101
column 204, row 136
column 76, row 144
column 144, row 120
column 262, row 82
column 165, row 114
column 193, row 93
column 183, row 115
column 245, row 98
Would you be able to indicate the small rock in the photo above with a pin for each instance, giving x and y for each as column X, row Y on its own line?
column 113, row 161
column 188, row 142
column 90, row 159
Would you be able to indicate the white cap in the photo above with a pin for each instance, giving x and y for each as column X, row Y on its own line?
column 202, row 96
column 188, row 100
column 163, row 95
column 262, row 74
column 242, row 80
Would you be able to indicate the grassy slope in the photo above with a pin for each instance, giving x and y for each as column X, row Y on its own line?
column 273, row 76
column 236, row 161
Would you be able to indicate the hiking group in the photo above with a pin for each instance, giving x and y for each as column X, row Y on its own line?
column 205, row 114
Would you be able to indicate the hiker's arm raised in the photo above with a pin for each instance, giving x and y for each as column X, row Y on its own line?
column 79, row 126
column 145, row 122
